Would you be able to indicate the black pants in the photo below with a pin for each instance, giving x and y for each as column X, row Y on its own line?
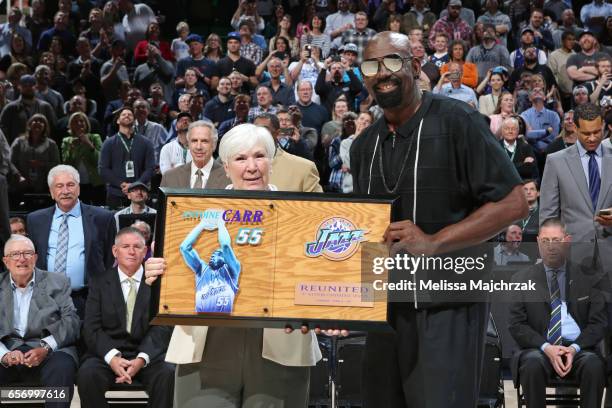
column 96, row 377
column 535, row 370
column 58, row 370
column 433, row 360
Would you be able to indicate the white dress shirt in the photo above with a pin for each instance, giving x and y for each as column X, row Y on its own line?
column 125, row 288
column 205, row 173
column 173, row 155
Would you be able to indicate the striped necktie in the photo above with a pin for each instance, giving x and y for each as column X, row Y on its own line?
column 61, row 254
column 199, row 182
column 554, row 327
column 129, row 304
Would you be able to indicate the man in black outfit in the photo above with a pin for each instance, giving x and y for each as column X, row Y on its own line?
column 467, row 191
column 121, row 345
column 552, row 344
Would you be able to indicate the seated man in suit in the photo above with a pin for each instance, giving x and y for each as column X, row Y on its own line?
column 121, row 344
column 38, row 322
column 72, row 238
column 559, row 326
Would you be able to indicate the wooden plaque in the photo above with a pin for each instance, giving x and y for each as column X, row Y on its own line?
column 293, row 259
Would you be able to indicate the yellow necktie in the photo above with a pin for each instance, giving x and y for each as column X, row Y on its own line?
column 131, row 301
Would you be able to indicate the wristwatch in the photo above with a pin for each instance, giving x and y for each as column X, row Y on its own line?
column 46, row 347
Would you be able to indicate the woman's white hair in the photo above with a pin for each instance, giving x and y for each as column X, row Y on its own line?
column 244, row 137
column 61, row 169
column 510, row 121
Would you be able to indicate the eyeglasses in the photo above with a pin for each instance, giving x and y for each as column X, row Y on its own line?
column 16, row 255
column 393, row 63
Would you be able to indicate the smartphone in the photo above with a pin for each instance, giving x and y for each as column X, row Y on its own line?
column 309, row 50
column 287, row 132
column 606, row 211
column 280, row 55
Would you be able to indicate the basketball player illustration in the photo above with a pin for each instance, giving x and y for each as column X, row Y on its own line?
column 217, row 280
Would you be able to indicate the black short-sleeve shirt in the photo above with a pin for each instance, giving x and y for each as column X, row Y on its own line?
column 460, row 165
column 226, row 65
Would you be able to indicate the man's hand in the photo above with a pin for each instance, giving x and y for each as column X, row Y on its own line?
column 333, row 332
column 34, row 357
column 529, row 160
column 295, row 136
column 405, row 235
column 13, row 358
column 119, row 366
column 154, row 267
column 304, row 329
column 604, row 220
column 555, row 356
column 135, row 366
column 570, row 352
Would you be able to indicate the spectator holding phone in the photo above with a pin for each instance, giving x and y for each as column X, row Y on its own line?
column 450, row 85
column 290, row 136
column 602, row 86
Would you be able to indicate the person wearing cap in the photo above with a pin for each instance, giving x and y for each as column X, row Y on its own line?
column 359, row 36
column 203, row 67
column 580, row 95
column 176, row 152
column 15, row 115
column 557, row 62
column 581, row 66
column 517, row 57
column 451, row 24
column 125, row 157
column 114, row 71
column 234, row 62
column 350, row 53
column 532, row 65
column 138, row 194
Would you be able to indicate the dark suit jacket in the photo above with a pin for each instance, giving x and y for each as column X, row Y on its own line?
column 530, row 314
column 104, row 327
column 180, row 177
column 51, row 313
column 99, row 231
column 523, row 150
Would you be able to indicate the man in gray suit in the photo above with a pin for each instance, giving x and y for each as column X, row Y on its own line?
column 577, row 185
column 202, row 171
column 38, row 322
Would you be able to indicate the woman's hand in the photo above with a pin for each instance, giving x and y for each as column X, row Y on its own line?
column 154, row 267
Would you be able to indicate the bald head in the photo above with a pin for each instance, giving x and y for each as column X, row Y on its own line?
column 400, row 42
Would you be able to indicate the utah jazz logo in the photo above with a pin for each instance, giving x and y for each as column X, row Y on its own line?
column 336, row 239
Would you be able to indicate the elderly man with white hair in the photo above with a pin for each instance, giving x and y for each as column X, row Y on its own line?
column 518, row 150
column 202, row 171
column 72, row 238
column 240, row 367
column 39, row 325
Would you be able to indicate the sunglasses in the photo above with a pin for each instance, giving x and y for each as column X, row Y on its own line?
column 393, row 63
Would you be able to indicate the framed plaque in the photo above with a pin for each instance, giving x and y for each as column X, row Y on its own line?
column 268, row 259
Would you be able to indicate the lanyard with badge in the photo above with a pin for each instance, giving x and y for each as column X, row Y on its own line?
column 129, row 165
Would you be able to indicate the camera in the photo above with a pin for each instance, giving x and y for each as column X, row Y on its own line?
column 286, row 132
column 606, row 101
column 308, row 48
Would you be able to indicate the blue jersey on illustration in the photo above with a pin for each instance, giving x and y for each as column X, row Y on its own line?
column 217, row 279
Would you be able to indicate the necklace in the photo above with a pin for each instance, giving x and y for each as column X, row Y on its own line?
column 400, row 177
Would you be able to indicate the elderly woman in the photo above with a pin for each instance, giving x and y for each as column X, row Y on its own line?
column 519, row 151
column 81, row 150
column 240, row 367
column 34, row 154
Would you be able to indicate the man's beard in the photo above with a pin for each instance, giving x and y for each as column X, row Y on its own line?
column 391, row 99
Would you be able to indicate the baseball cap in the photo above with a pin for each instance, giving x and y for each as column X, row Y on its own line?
column 350, row 47
column 233, row 36
column 138, row 184
column 585, row 32
column 183, row 115
column 194, row 37
column 454, row 3
column 27, row 80
column 527, row 30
